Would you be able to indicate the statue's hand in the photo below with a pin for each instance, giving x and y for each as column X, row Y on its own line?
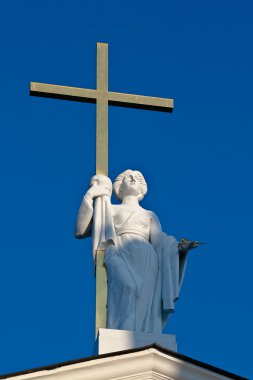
column 100, row 185
column 98, row 191
column 185, row 245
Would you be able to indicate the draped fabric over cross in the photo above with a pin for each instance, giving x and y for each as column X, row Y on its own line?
column 103, row 228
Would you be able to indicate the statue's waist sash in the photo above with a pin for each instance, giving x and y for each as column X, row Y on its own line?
column 132, row 231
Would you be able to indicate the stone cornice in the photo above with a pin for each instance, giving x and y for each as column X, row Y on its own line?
column 145, row 364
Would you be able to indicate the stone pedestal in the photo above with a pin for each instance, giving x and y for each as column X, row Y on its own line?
column 118, row 340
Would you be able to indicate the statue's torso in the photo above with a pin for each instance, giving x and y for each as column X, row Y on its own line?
column 131, row 220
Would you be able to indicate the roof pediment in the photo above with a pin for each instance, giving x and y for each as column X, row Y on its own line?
column 146, row 363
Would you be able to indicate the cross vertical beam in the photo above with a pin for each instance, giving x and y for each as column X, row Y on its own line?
column 101, row 168
column 101, row 291
column 102, row 110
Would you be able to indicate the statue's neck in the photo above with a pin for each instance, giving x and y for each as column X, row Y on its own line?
column 130, row 200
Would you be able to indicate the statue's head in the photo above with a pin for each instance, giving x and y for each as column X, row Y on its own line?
column 130, row 182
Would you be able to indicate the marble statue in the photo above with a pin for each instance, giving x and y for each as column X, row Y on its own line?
column 145, row 267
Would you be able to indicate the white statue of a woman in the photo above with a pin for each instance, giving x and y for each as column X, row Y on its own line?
column 144, row 266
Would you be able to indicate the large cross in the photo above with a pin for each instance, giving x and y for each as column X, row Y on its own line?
column 102, row 97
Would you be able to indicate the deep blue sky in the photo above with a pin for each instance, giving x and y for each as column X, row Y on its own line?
column 197, row 161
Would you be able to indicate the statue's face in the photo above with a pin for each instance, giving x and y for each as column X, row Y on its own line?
column 130, row 185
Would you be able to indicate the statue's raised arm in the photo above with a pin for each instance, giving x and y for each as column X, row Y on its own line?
column 95, row 214
column 99, row 186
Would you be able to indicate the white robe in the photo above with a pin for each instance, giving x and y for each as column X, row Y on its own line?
column 144, row 272
column 144, row 277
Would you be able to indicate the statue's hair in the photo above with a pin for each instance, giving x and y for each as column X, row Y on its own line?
column 118, row 181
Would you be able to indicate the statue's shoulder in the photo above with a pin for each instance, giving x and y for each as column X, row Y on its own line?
column 152, row 215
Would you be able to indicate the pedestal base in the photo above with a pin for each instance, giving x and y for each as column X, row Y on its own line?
column 118, row 340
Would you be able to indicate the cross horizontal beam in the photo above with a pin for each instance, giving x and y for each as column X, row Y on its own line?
column 118, row 99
